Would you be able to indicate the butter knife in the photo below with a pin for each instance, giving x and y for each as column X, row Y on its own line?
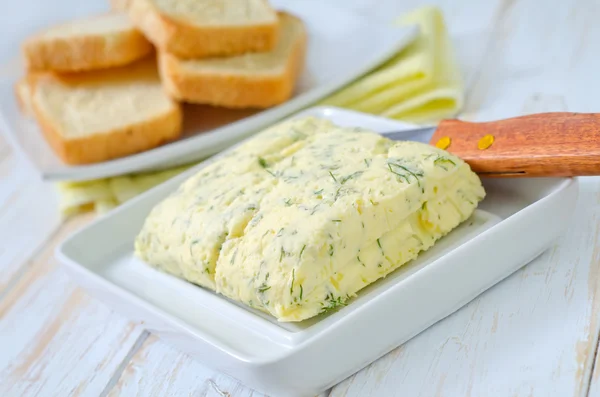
column 538, row 145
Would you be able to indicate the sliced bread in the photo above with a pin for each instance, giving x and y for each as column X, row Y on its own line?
column 254, row 80
column 23, row 94
column 203, row 28
column 102, row 115
column 119, row 5
column 94, row 43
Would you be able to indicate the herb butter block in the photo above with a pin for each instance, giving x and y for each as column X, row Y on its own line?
column 300, row 218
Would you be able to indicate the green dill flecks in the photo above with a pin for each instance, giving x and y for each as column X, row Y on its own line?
column 331, row 173
column 337, row 194
column 264, row 288
column 288, row 202
column 301, row 291
column 251, row 208
column 379, row 244
column 317, row 192
column 351, row 176
column 263, row 163
column 207, row 270
column 331, row 250
column 443, row 162
column 302, row 251
column 359, row 261
column 363, row 224
column 293, row 280
column 373, row 202
column 333, row 303
column 406, row 174
column 280, row 232
column 397, row 174
column 336, row 220
column 367, row 162
column 314, row 209
column 281, row 255
column 424, row 205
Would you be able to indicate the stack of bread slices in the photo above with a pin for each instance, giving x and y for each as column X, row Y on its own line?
column 111, row 85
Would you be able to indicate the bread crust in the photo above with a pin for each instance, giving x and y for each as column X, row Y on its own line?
column 108, row 145
column 188, row 41
column 86, row 52
column 229, row 89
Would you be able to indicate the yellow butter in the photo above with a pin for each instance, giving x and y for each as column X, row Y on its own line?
column 299, row 219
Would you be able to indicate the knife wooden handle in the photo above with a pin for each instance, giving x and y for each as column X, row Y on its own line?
column 544, row 144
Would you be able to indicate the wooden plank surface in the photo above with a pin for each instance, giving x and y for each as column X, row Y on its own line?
column 536, row 333
column 55, row 339
column 159, row 370
column 28, row 216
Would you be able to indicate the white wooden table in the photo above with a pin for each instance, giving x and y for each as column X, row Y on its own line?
column 534, row 334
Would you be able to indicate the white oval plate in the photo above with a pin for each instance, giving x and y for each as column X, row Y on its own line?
column 341, row 47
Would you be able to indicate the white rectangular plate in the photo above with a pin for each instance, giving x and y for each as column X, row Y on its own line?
column 337, row 54
column 511, row 227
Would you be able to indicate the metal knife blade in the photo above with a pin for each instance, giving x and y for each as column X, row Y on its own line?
column 422, row 134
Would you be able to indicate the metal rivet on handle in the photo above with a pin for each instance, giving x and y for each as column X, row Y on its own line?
column 443, row 143
column 485, row 142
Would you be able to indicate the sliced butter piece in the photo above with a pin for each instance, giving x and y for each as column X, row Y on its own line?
column 347, row 209
column 183, row 235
